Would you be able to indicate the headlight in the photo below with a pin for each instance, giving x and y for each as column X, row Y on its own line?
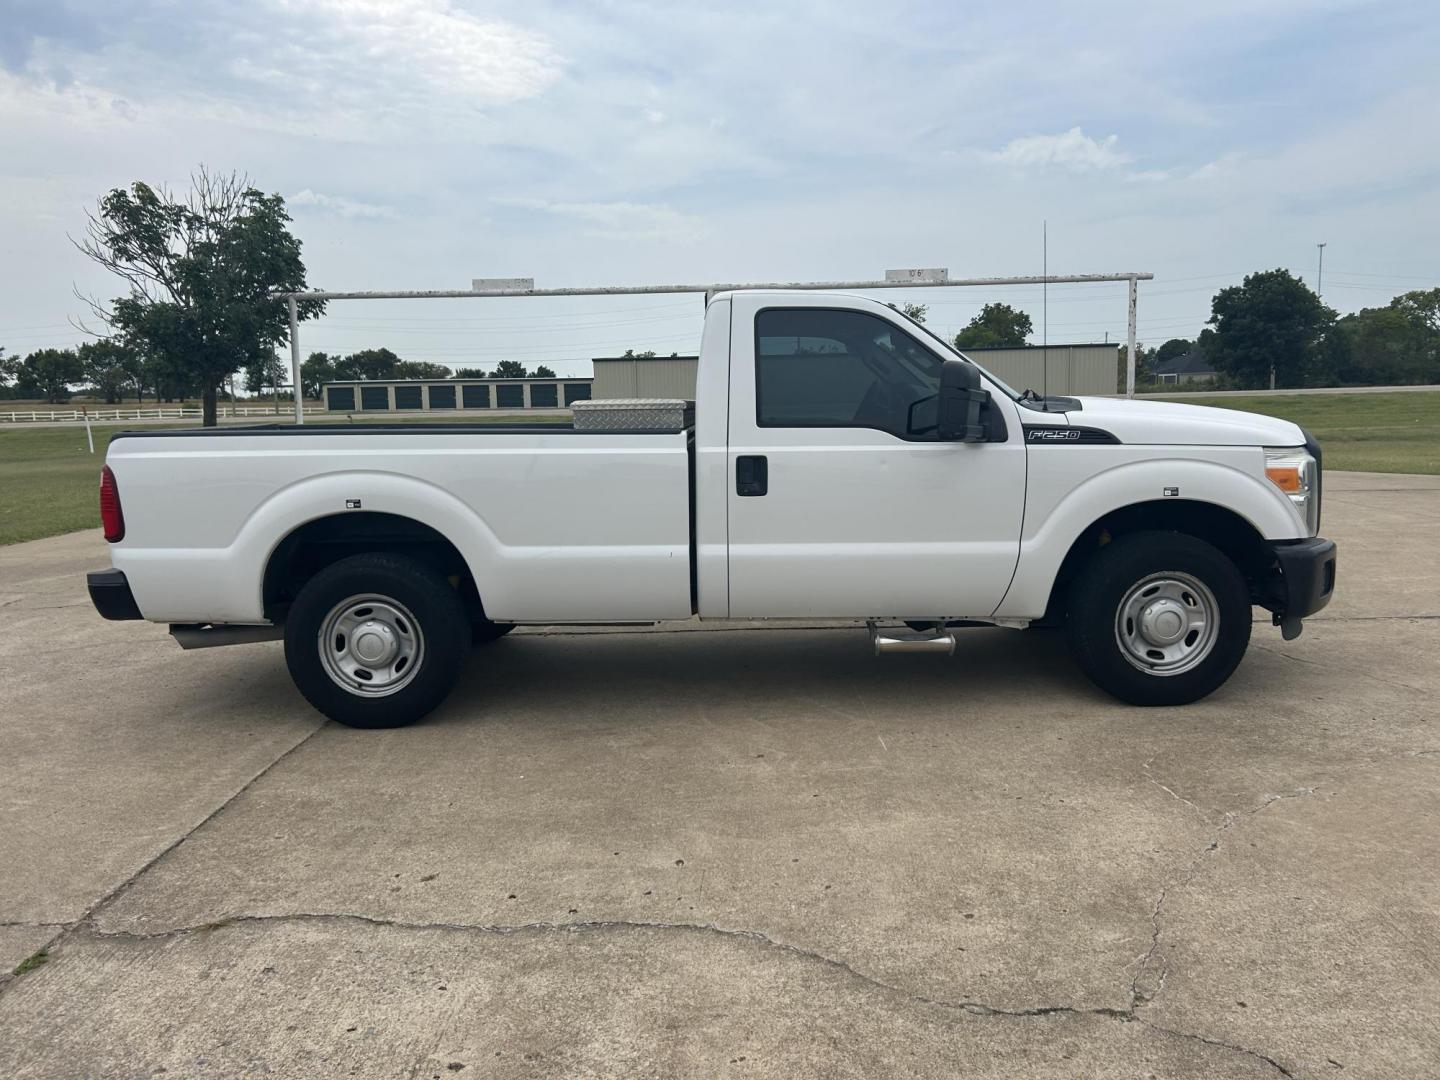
column 1295, row 472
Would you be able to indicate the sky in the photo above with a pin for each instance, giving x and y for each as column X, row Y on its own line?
column 423, row 143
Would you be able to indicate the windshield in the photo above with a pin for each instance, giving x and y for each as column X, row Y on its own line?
column 949, row 348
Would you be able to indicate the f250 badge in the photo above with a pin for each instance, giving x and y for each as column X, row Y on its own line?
column 1053, row 434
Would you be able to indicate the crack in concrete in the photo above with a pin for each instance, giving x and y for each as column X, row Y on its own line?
column 87, row 918
column 966, row 1006
column 1338, row 667
column 1152, row 968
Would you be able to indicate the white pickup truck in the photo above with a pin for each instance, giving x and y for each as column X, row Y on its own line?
column 843, row 462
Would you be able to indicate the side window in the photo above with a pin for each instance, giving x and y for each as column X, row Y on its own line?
column 829, row 367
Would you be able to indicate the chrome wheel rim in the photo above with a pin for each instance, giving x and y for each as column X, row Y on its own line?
column 1167, row 623
column 371, row 645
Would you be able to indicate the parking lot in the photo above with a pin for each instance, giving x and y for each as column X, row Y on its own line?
column 739, row 851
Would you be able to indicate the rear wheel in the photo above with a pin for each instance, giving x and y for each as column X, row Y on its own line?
column 1158, row 618
column 376, row 641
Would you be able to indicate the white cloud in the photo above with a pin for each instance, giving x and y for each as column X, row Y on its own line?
column 431, row 42
column 617, row 220
column 1071, row 151
column 338, row 204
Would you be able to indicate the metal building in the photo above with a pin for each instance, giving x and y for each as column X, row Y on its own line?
column 1054, row 369
column 645, row 376
column 427, row 395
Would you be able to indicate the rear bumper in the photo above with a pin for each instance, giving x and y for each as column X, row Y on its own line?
column 111, row 595
column 1305, row 578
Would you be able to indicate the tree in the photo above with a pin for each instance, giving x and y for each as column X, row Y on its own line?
column 111, row 366
column 315, row 371
column 915, row 311
column 543, row 372
column 996, row 325
column 9, row 369
column 1270, row 324
column 469, row 373
column 631, row 354
column 1387, row 345
column 50, row 372
column 367, row 364
column 510, row 369
column 420, row 369
column 1172, row 350
column 269, row 372
column 201, row 273
column 1421, row 306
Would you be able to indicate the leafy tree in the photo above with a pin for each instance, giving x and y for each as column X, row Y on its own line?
column 367, row 364
column 996, row 325
column 201, row 273
column 543, row 372
column 50, row 372
column 315, row 371
column 110, row 366
column 915, row 311
column 1171, row 350
column 1421, row 306
column 631, row 354
column 9, row 369
column 469, row 373
column 420, row 369
column 268, row 373
column 1271, row 322
column 1387, row 345
column 510, row 369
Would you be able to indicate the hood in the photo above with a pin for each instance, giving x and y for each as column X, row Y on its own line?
column 1134, row 421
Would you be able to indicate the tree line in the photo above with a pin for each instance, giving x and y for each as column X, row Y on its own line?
column 113, row 370
column 1272, row 328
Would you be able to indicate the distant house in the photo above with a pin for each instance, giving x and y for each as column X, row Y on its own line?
column 1191, row 367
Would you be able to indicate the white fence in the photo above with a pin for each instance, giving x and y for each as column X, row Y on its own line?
column 176, row 412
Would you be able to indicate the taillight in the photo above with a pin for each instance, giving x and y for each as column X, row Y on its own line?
column 110, row 515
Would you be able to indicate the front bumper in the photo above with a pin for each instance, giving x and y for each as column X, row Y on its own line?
column 111, row 595
column 1304, row 578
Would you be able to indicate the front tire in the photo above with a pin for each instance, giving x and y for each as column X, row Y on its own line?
column 376, row 641
column 1158, row 618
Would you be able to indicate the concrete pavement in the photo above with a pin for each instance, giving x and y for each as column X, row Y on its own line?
column 740, row 851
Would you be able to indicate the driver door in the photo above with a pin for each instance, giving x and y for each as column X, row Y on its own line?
column 841, row 504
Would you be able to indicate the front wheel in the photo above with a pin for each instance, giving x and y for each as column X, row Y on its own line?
column 1158, row 618
column 376, row 641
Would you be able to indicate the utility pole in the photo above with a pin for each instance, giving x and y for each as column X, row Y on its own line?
column 1320, row 273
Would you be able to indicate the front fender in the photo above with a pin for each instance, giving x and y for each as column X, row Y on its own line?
column 1060, row 505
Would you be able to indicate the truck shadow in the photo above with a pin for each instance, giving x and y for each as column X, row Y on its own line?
column 548, row 677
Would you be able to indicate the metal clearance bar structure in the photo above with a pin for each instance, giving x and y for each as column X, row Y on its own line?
column 293, row 299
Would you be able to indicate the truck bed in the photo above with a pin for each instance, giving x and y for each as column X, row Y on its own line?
column 556, row 525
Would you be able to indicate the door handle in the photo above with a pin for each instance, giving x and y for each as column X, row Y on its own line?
column 752, row 474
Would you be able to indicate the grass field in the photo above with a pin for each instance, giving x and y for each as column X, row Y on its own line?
column 48, row 479
column 1364, row 432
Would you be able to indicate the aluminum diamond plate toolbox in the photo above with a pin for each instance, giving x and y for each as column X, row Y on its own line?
column 634, row 414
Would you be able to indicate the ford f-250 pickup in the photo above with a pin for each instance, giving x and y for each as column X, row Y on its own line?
column 842, row 462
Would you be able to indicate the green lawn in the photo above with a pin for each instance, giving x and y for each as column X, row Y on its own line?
column 49, row 481
column 1364, row 432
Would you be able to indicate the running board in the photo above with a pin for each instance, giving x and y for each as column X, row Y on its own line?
column 901, row 639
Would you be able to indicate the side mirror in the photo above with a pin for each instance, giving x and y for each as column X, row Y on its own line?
column 960, row 402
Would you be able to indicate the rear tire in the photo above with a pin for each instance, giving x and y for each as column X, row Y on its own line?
column 376, row 641
column 1158, row 618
